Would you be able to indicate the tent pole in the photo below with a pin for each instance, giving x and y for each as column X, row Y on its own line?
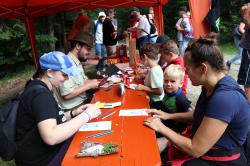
column 30, row 29
column 199, row 10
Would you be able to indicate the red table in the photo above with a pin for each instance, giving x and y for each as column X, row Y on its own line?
column 137, row 143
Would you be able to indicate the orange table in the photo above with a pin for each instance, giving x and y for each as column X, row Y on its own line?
column 137, row 143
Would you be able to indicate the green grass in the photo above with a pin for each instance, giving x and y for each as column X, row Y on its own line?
column 27, row 71
column 7, row 163
column 228, row 49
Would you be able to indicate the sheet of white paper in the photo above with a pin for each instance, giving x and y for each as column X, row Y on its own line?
column 94, row 126
column 106, row 85
column 127, row 68
column 133, row 112
column 114, row 78
column 119, row 72
column 132, row 86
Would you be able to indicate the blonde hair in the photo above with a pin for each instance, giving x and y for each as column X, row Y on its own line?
column 175, row 72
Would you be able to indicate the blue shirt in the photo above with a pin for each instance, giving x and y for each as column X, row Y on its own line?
column 227, row 103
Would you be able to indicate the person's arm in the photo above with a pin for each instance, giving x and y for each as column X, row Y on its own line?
column 245, row 12
column 156, row 91
column 186, row 117
column 52, row 133
column 132, row 29
column 208, row 133
column 74, row 112
column 89, row 84
column 177, row 25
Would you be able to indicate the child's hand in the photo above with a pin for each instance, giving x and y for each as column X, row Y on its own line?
column 140, row 87
column 154, row 123
column 158, row 114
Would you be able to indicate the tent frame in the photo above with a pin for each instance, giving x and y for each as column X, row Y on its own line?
column 28, row 13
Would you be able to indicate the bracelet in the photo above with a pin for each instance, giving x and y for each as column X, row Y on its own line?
column 89, row 117
column 71, row 114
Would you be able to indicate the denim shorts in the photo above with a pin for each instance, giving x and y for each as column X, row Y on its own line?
column 100, row 50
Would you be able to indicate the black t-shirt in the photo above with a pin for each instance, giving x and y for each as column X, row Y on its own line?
column 108, row 29
column 175, row 103
column 36, row 106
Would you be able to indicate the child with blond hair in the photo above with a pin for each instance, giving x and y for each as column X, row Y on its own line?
column 174, row 101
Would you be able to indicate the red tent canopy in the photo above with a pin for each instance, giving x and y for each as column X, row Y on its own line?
column 28, row 10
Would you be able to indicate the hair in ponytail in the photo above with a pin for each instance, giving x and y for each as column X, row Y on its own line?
column 206, row 50
column 39, row 72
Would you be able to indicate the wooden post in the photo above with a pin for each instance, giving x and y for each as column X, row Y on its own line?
column 132, row 52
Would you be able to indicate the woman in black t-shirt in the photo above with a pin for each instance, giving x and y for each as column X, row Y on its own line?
column 43, row 127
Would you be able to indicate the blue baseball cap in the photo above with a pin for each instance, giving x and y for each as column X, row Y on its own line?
column 58, row 61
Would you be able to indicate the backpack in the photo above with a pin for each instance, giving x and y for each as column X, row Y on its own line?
column 152, row 25
column 8, row 113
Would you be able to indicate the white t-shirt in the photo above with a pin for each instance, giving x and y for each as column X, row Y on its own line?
column 98, row 33
column 143, row 24
column 179, row 33
column 155, row 79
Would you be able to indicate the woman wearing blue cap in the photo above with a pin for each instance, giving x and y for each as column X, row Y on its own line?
column 44, row 129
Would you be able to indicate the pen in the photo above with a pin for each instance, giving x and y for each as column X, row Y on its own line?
column 109, row 115
column 108, row 105
column 104, row 114
column 99, row 134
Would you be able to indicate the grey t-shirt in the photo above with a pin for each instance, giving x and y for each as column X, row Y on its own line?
column 245, row 40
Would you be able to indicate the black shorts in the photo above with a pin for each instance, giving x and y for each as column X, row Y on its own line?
column 244, row 72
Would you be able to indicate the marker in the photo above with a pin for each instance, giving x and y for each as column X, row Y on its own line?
column 104, row 114
column 100, row 134
column 109, row 115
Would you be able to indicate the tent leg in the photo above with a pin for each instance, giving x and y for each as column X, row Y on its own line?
column 158, row 17
column 30, row 29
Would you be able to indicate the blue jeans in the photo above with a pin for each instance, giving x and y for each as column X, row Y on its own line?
column 239, row 51
column 183, row 45
column 152, row 40
column 100, row 50
column 141, row 41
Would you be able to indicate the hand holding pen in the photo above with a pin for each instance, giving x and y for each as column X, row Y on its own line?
column 91, row 110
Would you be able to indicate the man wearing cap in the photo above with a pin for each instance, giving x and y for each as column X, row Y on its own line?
column 73, row 93
column 143, row 28
column 100, row 48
